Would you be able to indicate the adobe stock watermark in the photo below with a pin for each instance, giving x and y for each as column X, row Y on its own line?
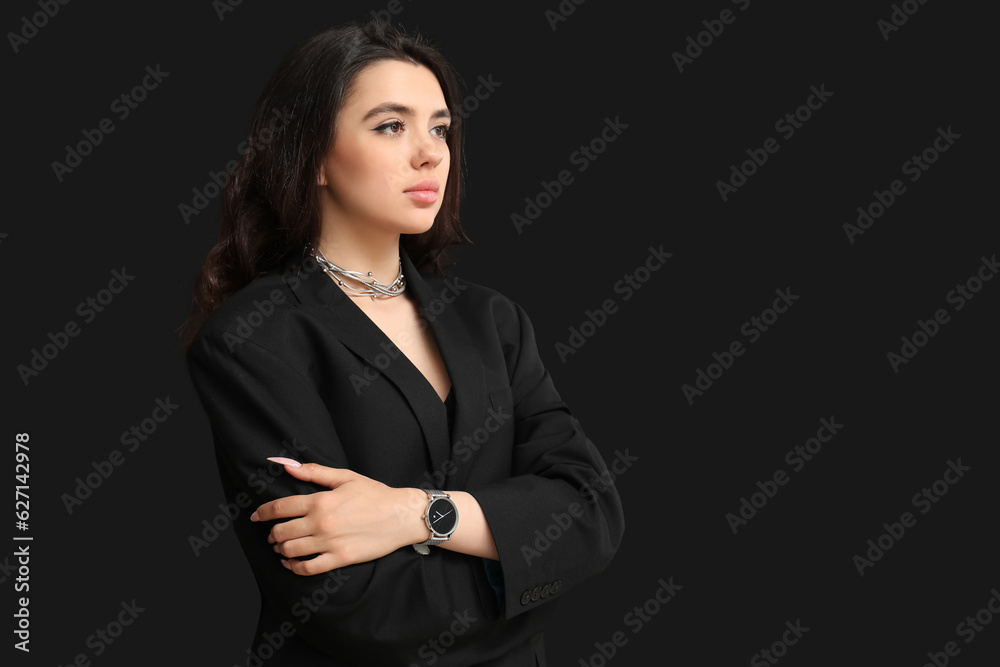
column 87, row 309
column 962, row 293
column 122, row 107
column 23, row 585
column 223, row 7
column 302, row 610
column 463, row 449
column 922, row 500
column 779, row 648
column 797, row 457
column 134, row 438
column 581, row 158
column 898, row 17
column 787, row 125
column 217, row 180
column 104, row 637
column 713, row 29
column 243, row 327
column 606, row 480
column 635, row 620
column 753, row 329
column 915, row 167
column 258, row 480
column 393, row 8
column 968, row 628
column 432, row 650
column 8, row 569
column 563, row 522
column 563, row 11
column 626, row 286
column 452, row 289
column 31, row 25
column 485, row 87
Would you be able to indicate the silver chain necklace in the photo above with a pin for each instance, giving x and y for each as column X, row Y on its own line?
column 373, row 288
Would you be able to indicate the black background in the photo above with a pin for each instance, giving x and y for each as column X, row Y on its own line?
column 826, row 357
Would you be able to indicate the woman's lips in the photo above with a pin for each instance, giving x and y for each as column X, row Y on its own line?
column 425, row 192
column 422, row 196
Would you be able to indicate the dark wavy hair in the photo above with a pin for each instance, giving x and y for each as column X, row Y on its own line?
column 271, row 203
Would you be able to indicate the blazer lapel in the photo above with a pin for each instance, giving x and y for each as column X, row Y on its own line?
column 441, row 307
column 363, row 337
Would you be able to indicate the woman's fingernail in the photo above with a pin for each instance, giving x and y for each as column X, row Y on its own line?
column 254, row 517
column 285, row 461
column 285, row 563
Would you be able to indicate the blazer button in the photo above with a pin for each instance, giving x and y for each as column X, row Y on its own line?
column 546, row 589
column 525, row 597
column 555, row 586
column 536, row 593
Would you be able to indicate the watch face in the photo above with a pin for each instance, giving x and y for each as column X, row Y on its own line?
column 442, row 516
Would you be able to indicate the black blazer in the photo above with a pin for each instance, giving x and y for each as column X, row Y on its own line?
column 290, row 366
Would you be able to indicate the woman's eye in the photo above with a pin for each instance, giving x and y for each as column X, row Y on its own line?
column 442, row 131
column 394, row 127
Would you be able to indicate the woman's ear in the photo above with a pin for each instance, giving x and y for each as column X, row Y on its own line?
column 321, row 176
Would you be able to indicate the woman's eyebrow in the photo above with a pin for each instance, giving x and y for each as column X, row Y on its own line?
column 401, row 109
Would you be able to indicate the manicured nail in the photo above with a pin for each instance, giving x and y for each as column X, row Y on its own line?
column 254, row 517
column 285, row 461
column 285, row 563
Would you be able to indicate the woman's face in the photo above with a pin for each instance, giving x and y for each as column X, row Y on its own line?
column 389, row 162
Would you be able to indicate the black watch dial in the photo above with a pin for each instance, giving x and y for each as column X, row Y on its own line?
column 442, row 516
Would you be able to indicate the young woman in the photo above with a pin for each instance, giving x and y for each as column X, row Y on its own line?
column 431, row 492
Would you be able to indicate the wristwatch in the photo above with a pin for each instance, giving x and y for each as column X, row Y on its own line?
column 441, row 516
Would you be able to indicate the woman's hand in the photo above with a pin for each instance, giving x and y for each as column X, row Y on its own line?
column 358, row 520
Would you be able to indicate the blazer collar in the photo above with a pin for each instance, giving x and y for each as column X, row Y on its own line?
column 353, row 328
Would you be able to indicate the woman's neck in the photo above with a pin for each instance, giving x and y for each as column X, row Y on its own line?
column 378, row 253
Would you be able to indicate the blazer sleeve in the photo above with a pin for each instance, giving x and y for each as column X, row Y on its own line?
column 556, row 520
column 259, row 406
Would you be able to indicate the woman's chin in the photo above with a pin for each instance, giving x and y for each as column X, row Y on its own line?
column 414, row 227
